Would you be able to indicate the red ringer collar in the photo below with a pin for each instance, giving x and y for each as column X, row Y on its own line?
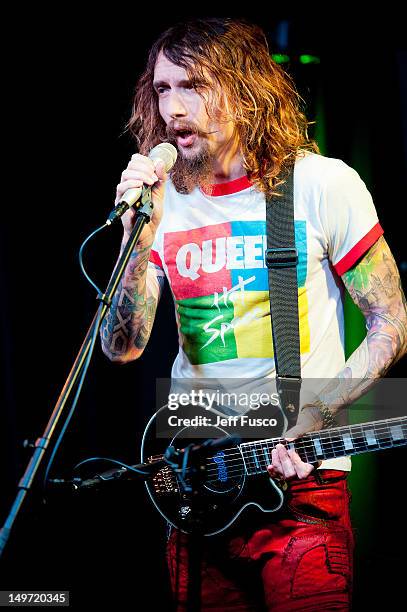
column 221, row 189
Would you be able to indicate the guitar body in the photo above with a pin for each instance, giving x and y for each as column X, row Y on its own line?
column 234, row 478
column 224, row 491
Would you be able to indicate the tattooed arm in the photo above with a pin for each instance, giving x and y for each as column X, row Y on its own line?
column 127, row 325
column 375, row 286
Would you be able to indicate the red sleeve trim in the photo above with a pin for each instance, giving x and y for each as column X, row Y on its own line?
column 156, row 259
column 358, row 250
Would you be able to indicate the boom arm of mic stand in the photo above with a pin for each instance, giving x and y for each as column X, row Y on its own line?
column 143, row 216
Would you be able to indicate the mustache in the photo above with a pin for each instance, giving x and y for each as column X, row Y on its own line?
column 174, row 127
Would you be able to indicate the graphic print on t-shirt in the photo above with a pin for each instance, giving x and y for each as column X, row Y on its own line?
column 219, row 281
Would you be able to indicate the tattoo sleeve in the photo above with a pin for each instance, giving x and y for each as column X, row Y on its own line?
column 127, row 325
column 375, row 286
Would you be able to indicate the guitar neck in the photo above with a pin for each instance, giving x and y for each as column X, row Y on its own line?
column 330, row 443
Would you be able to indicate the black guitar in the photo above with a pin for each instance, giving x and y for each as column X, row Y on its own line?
column 236, row 477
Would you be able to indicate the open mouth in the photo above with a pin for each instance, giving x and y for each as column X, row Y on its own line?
column 185, row 138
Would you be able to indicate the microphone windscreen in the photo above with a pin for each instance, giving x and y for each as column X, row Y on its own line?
column 165, row 152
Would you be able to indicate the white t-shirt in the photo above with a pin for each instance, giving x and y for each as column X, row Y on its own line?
column 211, row 247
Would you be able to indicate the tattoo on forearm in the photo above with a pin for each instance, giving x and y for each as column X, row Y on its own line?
column 375, row 286
column 130, row 317
column 141, row 338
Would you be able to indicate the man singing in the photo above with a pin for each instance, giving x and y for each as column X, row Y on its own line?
column 211, row 88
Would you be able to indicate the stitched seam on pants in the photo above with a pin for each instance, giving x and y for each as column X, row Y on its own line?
column 308, row 518
column 335, row 566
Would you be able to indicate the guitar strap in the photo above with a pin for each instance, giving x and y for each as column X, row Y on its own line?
column 282, row 261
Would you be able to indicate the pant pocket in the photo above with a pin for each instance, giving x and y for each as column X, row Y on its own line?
column 320, row 503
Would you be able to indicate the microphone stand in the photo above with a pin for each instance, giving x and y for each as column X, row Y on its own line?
column 143, row 216
column 195, row 465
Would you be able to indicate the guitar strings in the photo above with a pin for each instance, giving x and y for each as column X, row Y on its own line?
column 335, row 446
column 242, row 471
column 308, row 443
column 332, row 437
column 324, row 435
column 262, row 469
column 242, row 464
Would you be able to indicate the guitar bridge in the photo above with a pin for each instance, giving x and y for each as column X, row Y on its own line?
column 164, row 481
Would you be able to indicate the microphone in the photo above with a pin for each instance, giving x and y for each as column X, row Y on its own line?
column 164, row 152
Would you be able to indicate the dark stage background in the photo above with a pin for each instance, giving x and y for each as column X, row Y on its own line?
column 68, row 94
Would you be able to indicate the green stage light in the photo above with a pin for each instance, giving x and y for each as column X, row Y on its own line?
column 309, row 59
column 280, row 58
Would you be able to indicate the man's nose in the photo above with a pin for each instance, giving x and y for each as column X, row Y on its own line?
column 176, row 106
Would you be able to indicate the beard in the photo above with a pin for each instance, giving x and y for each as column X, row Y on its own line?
column 195, row 169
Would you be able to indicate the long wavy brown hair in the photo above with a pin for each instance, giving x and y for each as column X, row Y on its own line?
column 231, row 58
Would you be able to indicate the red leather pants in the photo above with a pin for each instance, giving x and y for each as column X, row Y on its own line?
column 299, row 559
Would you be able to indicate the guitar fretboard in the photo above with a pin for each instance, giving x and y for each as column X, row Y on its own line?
column 329, row 443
